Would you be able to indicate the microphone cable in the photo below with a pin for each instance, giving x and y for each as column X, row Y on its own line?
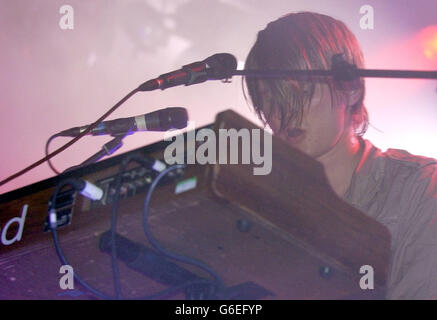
column 53, row 228
column 46, row 150
column 223, row 66
column 188, row 260
column 72, row 141
column 149, row 236
column 114, row 265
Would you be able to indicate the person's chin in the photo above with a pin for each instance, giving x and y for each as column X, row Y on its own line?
column 309, row 149
column 303, row 147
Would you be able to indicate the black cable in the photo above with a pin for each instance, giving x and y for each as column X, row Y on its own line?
column 53, row 229
column 72, row 141
column 116, row 278
column 114, row 262
column 79, row 279
column 114, row 213
column 47, row 152
column 157, row 246
column 147, row 163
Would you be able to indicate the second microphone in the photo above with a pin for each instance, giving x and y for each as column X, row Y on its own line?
column 160, row 120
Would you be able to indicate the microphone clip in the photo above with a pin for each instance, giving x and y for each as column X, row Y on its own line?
column 345, row 75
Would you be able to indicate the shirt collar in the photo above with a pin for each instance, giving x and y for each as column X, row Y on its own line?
column 367, row 177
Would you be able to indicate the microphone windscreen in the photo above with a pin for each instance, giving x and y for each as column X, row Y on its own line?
column 177, row 118
column 171, row 118
column 222, row 65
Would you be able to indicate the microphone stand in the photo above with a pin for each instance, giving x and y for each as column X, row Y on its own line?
column 341, row 71
column 357, row 73
column 107, row 149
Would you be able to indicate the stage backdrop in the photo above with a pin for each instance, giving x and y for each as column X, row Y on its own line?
column 54, row 78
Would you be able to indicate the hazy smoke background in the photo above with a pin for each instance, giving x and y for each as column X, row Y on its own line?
column 54, row 79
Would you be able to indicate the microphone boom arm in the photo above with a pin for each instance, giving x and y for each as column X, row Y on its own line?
column 309, row 74
column 107, row 149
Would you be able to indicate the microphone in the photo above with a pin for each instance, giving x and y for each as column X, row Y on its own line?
column 218, row 66
column 160, row 120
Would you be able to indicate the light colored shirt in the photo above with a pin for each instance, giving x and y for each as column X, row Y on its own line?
column 399, row 190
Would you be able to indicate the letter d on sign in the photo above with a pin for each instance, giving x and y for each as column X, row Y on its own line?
column 20, row 221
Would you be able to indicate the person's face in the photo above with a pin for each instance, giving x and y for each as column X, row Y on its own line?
column 323, row 125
